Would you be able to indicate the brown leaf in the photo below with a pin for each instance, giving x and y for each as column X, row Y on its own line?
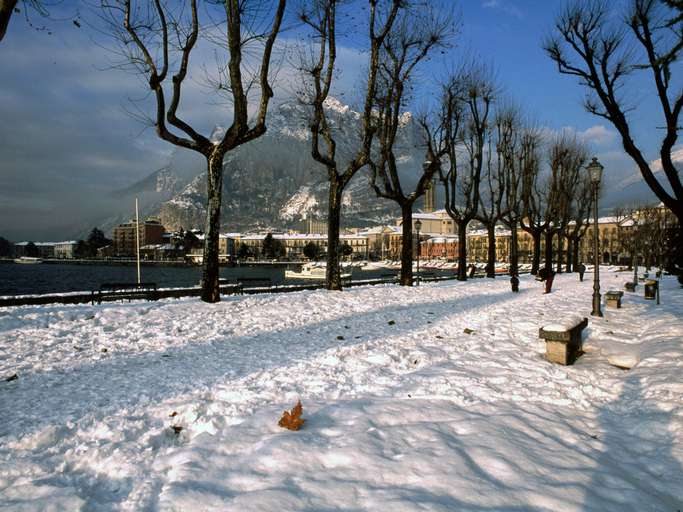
column 292, row 420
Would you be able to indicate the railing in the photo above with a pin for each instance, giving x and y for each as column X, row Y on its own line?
column 164, row 293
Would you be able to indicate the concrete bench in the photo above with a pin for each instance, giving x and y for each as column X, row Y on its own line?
column 613, row 299
column 563, row 340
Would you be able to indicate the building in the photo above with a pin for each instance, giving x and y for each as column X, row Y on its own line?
column 124, row 236
column 443, row 247
column 45, row 250
column 434, row 223
column 430, row 197
column 311, row 226
column 379, row 241
column 294, row 243
column 228, row 244
column 65, row 250
column 478, row 244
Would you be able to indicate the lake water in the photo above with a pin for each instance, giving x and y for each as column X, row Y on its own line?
column 16, row 279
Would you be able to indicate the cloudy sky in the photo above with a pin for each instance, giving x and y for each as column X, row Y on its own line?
column 67, row 140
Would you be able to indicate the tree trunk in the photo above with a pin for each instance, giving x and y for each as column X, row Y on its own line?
column 569, row 267
column 491, row 252
column 210, row 269
column 548, row 250
column 462, row 251
column 577, row 248
column 6, row 9
column 333, row 279
column 514, row 251
column 536, row 261
column 560, row 251
column 407, row 246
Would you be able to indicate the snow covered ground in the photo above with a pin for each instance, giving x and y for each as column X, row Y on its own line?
column 405, row 410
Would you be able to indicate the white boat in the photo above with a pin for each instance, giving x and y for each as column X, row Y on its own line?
column 28, row 260
column 312, row 271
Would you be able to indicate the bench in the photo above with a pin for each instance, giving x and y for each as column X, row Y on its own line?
column 630, row 286
column 563, row 341
column 123, row 291
column 613, row 299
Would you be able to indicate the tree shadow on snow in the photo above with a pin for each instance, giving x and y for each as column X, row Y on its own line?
column 148, row 378
column 636, row 466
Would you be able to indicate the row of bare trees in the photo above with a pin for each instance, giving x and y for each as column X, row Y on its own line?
column 494, row 167
column 606, row 53
column 498, row 169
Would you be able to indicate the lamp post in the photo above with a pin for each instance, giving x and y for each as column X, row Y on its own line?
column 418, row 226
column 595, row 172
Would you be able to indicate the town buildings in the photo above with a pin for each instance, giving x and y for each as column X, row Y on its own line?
column 620, row 237
column 124, row 236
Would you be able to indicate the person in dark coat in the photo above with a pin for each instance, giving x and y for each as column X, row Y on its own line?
column 582, row 270
column 546, row 275
column 514, row 282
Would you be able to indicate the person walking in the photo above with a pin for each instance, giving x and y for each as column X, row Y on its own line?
column 582, row 270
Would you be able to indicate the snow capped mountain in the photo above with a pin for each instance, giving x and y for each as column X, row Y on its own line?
column 274, row 182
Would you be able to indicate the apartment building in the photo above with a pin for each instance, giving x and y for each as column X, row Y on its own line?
column 124, row 236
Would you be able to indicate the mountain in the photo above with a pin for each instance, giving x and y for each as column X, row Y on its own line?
column 272, row 182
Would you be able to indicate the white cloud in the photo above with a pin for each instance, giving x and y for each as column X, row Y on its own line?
column 598, row 135
column 506, row 6
column 676, row 156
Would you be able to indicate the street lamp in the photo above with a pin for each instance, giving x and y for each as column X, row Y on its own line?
column 418, row 226
column 595, row 173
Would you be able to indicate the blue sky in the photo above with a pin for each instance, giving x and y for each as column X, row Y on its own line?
column 66, row 140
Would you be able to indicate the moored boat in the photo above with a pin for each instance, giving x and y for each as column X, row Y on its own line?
column 312, row 271
column 28, row 260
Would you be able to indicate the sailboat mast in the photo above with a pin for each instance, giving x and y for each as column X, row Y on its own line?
column 137, row 237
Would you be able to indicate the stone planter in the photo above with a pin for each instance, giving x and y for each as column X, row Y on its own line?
column 613, row 299
column 563, row 344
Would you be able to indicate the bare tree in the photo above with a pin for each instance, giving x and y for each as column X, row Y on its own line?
column 577, row 228
column 549, row 198
column 415, row 35
column 569, row 157
column 319, row 73
column 652, row 227
column 496, row 177
column 155, row 37
column 471, row 93
column 515, row 146
column 588, row 46
column 533, row 219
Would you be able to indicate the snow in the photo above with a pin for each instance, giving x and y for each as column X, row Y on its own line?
column 302, row 202
column 404, row 410
column 564, row 324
